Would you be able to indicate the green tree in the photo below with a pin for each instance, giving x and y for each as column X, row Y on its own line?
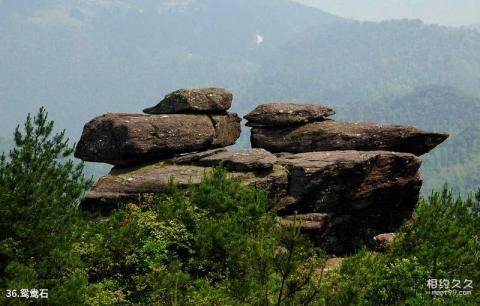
column 39, row 190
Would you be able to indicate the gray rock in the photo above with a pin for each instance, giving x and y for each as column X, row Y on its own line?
column 202, row 100
column 287, row 114
column 330, row 136
column 122, row 139
column 353, row 181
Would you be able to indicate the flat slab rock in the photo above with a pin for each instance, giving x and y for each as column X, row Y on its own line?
column 202, row 100
column 287, row 114
column 124, row 185
column 122, row 139
column 330, row 136
column 386, row 185
column 242, row 160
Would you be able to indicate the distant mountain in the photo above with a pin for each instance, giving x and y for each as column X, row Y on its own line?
column 84, row 58
column 475, row 26
column 357, row 65
column 444, row 108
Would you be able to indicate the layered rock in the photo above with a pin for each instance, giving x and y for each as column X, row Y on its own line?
column 124, row 185
column 342, row 183
column 352, row 181
column 202, row 100
column 331, row 135
column 358, row 194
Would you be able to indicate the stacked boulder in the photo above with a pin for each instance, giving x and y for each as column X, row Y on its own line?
column 184, row 121
column 348, row 182
column 343, row 183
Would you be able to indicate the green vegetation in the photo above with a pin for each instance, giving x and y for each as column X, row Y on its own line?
column 218, row 243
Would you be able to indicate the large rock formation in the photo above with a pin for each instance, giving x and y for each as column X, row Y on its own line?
column 124, row 185
column 341, row 183
column 331, row 135
column 360, row 194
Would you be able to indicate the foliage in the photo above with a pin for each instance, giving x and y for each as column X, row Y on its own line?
column 442, row 243
column 39, row 189
column 215, row 243
column 219, row 244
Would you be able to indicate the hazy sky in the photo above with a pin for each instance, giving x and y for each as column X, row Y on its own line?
column 446, row 12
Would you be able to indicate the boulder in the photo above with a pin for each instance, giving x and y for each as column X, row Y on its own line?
column 125, row 185
column 203, row 100
column 330, row 136
column 122, row 139
column 350, row 182
column 242, row 160
column 287, row 114
column 344, row 198
column 384, row 242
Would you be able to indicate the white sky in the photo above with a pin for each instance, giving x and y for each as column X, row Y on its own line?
column 445, row 12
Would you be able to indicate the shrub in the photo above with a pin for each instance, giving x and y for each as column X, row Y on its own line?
column 442, row 243
column 221, row 243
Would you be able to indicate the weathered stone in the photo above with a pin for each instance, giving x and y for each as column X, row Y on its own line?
column 227, row 129
column 122, row 139
column 343, row 198
column 287, row 114
column 330, row 135
column 364, row 193
column 203, row 100
column 353, row 181
column 125, row 185
column 242, row 160
column 384, row 242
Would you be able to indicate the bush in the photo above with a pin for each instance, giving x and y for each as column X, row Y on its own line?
column 442, row 243
column 219, row 244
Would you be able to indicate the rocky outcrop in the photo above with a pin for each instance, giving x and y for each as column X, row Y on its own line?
column 357, row 194
column 331, row 135
column 342, row 183
column 287, row 114
column 124, row 185
column 352, row 181
column 204, row 100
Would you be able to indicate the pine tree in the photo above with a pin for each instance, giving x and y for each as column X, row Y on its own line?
column 40, row 187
